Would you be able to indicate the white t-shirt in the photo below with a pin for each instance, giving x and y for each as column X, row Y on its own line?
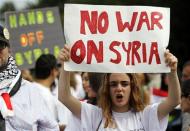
column 57, row 109
column 80, row 93
column 146, row 120
column 31, row 112
column 74, row 123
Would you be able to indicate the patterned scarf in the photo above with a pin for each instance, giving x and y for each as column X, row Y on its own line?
column 11, row 70
column 12, row 75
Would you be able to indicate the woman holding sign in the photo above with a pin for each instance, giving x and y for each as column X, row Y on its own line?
column 120, row 103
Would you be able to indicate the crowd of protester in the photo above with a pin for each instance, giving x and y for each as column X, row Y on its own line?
column 92, row 101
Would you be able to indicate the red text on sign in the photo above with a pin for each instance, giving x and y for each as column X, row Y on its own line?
column 134, row 51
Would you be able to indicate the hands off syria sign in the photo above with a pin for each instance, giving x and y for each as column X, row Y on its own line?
column 116, row 38
column 34, row 32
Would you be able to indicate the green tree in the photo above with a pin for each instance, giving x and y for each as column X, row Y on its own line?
column 49, row 3
column 8, row 6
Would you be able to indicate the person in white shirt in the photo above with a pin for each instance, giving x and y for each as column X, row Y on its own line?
column 92, row 83
column 22, row 107
column 120, row 105
column 45, row 73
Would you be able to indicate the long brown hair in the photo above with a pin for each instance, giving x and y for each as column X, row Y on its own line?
column 105, row 102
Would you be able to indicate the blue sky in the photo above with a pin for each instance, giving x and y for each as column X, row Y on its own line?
column 18, row 3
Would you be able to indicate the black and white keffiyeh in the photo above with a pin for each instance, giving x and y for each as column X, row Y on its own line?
column 10, row 82
column 11, row 70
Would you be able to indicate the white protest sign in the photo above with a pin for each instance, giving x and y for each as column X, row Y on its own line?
column 116, row 38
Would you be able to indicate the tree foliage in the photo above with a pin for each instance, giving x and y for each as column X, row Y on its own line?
column 8, row 6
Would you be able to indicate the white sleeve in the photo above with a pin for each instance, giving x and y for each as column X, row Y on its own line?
column 62, row 113
column 74, row 123
column 150, row 119
column 45, row 121
column 90, row 117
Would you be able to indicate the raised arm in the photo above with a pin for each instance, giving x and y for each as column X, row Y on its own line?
column 174, row 93
column 64, row 92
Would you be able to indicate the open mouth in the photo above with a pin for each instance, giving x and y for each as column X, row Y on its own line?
column 119, row 96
